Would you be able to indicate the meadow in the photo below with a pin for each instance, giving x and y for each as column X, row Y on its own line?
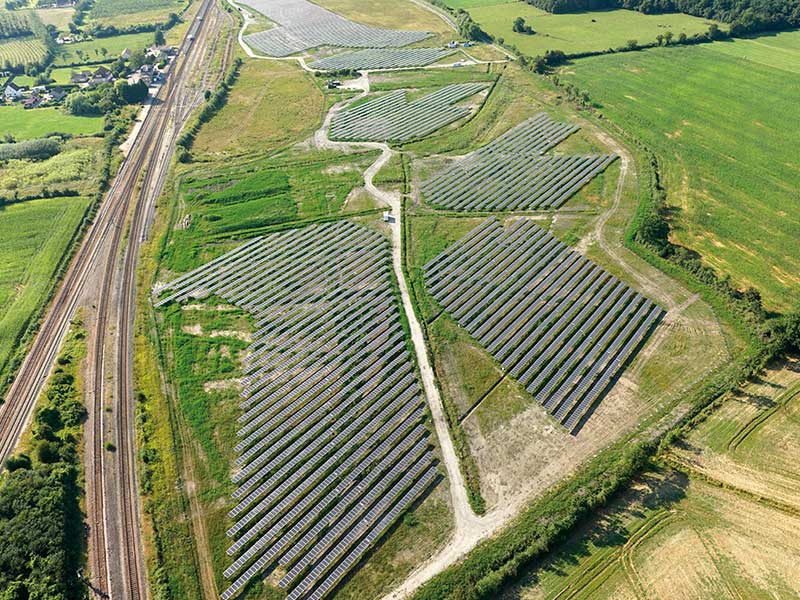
column 116, row 8
column 272, row 104
column 76, row 168
column 27, row 124
column 575, row 33
column 729, row 158
column 34, row 237
column 57, row 17
column 114, row 46
column 21, row 51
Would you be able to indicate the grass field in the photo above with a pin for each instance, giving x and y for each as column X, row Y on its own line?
column 123, row 13
column 114, row 46
column 33, row 238
column 730, row 159
column 57, row 17
column 21, row 51
column 580, row 32
column 272, row 104
column 467, row 4
column 27, row 124
column 673, row 537
column 76, row 168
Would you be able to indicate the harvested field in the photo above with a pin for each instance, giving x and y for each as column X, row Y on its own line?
column 332, row 445
column 392, row 117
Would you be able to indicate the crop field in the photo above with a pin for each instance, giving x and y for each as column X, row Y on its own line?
column 672, row 536
column 34, row 236
column 393, row 117
column 291, row 98
column 91, row 50
column 76, row 168
column 332, row 445
column 750, row 443
column 513, row 173
column 728, row 157
column 556, row 322
column 21, row 51
column 591, row 31
column 28, row 124
column 304, row 25
column 381, row 59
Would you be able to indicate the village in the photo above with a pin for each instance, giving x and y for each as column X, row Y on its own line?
column 146, row 67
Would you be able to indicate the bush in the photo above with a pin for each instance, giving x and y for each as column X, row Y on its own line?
column 39, row 149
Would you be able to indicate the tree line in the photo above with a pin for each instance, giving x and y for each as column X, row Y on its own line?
column 744, row 16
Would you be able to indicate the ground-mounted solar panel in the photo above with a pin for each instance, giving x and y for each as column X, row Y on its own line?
column 332, row 443
column 514, row 172
column 391, row 117
column 559, row 324
column 302, row 25
column 381, row 58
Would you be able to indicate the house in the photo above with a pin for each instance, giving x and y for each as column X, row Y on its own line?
column 32, row 102
column 158, row 52
column 137, row 77
column 56, row 94
column 13, row 91
column 39, row 89
column 82, row 77
column 100, row 76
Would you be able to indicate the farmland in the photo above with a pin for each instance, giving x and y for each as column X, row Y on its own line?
column 116, row 8
column 57, row 17
column 581, row 32
column 722, row 519
column 27, row 124
column 31, row 261
column 21, row 51
column 730, row 178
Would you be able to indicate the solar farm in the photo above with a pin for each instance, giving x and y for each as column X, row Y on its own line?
column 332, row 447
column 514, row 173
column 381, row 58
column 555, row 321
column 303, row 25
column 391, row 117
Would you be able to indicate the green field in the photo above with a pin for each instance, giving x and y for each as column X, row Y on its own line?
column 731, row 163
column 21, row 51
column 113, row 45
column 27, row 124
column 57, row 17
column 580, row 32
column 466, row 4
column 124, row 13
column 33, row 238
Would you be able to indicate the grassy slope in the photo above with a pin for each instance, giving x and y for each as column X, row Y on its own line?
column 581, row 32
column 728, row 156
column 27, row 271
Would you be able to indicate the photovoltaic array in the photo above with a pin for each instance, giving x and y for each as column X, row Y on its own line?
column 392, row 118
column 381, row 59
column 332, row 443
column 304, row 25
column 514, row 173
column 559, row 324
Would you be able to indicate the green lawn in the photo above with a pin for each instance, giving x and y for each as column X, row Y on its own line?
column 113, row 45
column 27, row 124
column 580, row 32
column 33, row 238
column 731, row 159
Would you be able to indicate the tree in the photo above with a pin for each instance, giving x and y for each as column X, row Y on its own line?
column 660, row 39
column 714, row 32
column 682, row 38
column 132, row 94
column 104, row 51
column 668, row 37
column 521, row 27
column 137, row 59
column 158, row 38
column 632, row 45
